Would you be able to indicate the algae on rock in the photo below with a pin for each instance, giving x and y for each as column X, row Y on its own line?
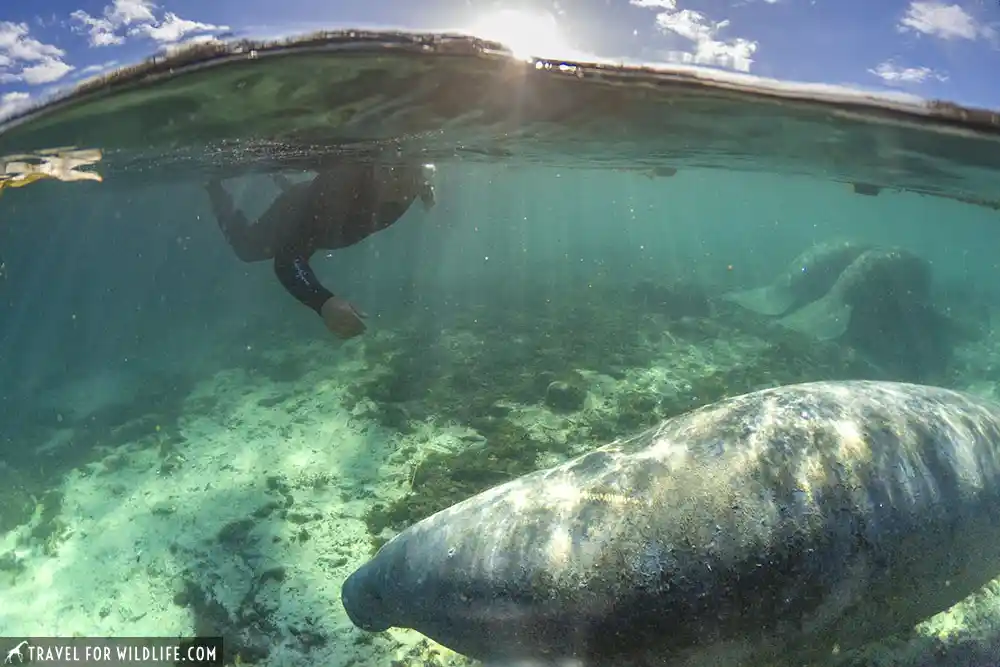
column 486, row 374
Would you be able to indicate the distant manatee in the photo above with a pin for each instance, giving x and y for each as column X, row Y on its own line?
column 890, row 280
column 780, row 527
column 808, row 277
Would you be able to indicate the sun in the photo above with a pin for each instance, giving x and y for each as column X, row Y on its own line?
column 526, row 34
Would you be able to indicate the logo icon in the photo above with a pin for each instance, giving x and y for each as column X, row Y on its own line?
column 16, row 651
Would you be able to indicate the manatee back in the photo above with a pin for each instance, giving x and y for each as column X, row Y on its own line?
column 824, row 513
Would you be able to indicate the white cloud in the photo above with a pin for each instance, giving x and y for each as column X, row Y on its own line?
column 101, row 31
column 137, row 18
column 189, row 42
column 173, row 28
column 24, row 58
column 120, row 14
column 94, row 71
column 736, row 53
column 893, row 74
column 11, row 103
column 941, row 20
column 97, row 69
column 47, row 71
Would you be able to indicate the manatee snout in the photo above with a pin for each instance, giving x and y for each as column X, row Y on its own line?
column 363, row 600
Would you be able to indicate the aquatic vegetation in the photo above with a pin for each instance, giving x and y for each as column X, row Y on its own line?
column 17, row 504
column 677, row 300
column 660, row 367
column 48, row 528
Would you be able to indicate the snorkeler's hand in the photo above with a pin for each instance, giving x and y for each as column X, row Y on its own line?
column 427, row 197
column 427, row 174
column 342, row 318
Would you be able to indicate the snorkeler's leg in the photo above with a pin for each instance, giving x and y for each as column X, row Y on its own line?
column 251, row 242
column 297, row 277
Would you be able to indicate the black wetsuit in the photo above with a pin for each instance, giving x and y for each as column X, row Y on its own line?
column 291, row 240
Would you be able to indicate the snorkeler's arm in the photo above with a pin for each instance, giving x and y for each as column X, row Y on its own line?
column 427, row 186
column 297, row 277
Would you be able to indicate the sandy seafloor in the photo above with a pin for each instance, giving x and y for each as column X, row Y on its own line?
column 133, row 533
column 258, row 504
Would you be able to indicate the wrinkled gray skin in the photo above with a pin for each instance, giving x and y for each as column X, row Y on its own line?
column 768, row 529
column 881, row 274
column 814, row 272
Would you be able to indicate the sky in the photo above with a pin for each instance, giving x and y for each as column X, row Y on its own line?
column 938, row 49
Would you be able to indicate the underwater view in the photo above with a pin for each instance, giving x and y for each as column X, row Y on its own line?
column 387, row 349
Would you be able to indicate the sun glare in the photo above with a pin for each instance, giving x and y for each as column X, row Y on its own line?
column 526, row 34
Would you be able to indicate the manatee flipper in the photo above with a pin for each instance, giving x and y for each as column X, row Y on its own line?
column 807, row 278
column 770, row 300
column 823, row 319
column 876, row 282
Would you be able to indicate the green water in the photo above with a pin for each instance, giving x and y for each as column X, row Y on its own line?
column 186, row 449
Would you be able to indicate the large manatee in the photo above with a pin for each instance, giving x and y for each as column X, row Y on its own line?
column 781, row 527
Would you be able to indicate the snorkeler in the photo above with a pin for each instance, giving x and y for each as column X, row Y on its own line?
column 336, row 209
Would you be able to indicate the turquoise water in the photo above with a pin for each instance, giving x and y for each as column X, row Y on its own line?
column 186, row 449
